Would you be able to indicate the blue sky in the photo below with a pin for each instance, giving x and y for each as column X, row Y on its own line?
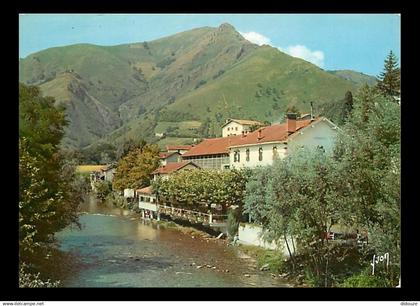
column 332, row 41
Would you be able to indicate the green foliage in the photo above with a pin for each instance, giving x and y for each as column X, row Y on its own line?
column 134, row 169
column 99, row 154
column 364, row 280
column 49, row 189
column 102, row 189
column 29, row 280
column 389, row 82
column 359, row 187
column 197, row 189
column 273, row 258
column 127, row 146
column 234, row 217
column 48, row 197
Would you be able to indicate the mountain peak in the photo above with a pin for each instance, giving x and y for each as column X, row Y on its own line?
column 226, row 26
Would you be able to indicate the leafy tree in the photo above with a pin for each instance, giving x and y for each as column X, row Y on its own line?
column 390, row 77
column 135, row 168
column 197, row 189
column 127, row 146
column 49, row 193
column 102, row 189
column 348, row 105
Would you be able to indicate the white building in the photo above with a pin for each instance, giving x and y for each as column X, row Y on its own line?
column 262, row 147
column 234, row 127
column 147, row 203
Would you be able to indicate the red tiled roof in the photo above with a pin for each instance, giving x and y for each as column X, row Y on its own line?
column 212, row 146
column 178, row 147
column 145, row 190
column 163, row 155
column 171, row 167
column 244, row 122
column 271, row 133
column 221, row 145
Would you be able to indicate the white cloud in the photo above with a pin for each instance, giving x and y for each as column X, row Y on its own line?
column 256, row 38
column 303, row 52
column 315, row 57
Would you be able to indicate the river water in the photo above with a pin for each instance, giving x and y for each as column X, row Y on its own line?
column 115, row 248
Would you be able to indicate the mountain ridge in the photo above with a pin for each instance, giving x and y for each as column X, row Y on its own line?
column 203, row 75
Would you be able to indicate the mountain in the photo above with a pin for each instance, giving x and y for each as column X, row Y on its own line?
column 357, row 78
column 185, row 85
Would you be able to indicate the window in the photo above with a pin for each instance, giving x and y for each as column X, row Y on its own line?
column 260, row 154
column 275, row 153
column 236, row 156
column 247, row 155
column 228, row 128
column 236, row 128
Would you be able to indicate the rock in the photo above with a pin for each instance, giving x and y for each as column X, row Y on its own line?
column 208, row 266
column 247, row 275
column 264, row 267
column 213, row 267
column 226, row 270
column 192, row 237
column 112, row 260
column 199, row 267
column 137, row 259
column 273, row 275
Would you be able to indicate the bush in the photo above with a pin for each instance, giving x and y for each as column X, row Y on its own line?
column 363, row 281
column 29, row 280
column 273, row 258
column 234, row 215
column 102, row 189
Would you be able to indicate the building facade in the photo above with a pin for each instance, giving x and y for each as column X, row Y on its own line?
column 234, row 127
column 264, row 146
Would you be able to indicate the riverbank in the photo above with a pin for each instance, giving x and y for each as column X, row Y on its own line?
column 117, row 248
column 257, row 258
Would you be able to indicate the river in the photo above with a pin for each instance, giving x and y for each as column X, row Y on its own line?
column 115, row 248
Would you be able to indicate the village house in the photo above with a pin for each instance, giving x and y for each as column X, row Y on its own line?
column 168, row 169
column 108, row 172
column 234, row 127
column 169, row 157
column 147, row 203
column 267, row 144
column 263, row 146
column 212, row 153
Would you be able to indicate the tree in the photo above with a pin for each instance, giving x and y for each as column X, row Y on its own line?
column 48, row 192
column 198, row 188
column 348, row 106
column 127, row 146
column 368, row 152
column 390, row 77
column 135, row 168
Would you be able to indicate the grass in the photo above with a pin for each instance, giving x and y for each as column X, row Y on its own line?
column 274, row 259
column 89, row 168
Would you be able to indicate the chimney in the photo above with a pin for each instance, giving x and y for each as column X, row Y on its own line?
column 291, row 123
column 259, row 134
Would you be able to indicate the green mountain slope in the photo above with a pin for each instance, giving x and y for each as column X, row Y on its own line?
column 184, row 85
column 357, row 78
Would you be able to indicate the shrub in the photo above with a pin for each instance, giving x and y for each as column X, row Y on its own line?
column 102, row 189
column 363, row 281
